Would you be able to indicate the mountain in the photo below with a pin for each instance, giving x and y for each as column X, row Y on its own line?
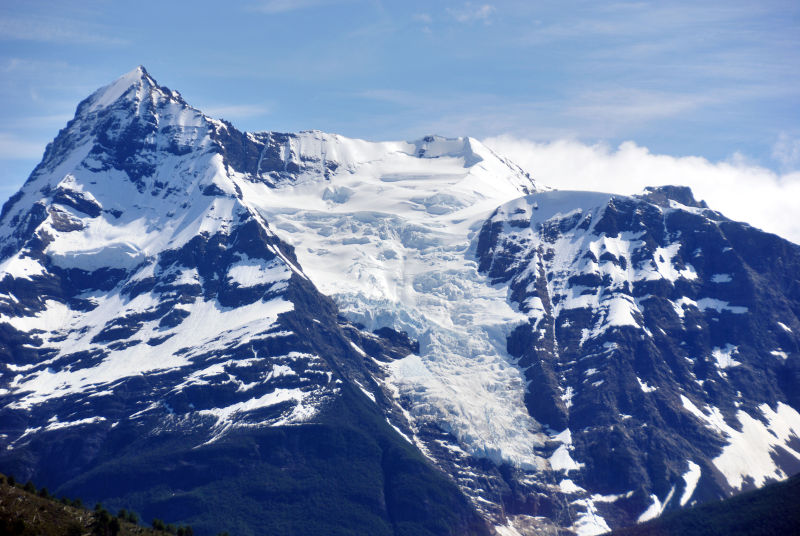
column 661, row 335
column 305, row 333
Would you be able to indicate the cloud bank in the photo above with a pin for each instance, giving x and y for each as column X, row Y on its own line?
column 740, row 190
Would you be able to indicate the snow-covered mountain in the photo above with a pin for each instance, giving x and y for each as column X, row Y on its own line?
column 387, row 338
column 661, row 338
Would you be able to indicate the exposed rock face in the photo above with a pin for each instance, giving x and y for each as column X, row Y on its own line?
column 303, row 333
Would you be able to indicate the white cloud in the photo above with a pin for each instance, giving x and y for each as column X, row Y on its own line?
column 740, row 190
column 14, row 148
column 471, row 13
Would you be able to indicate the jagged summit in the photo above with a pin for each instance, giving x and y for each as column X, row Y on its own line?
column 136, row 148
column 134, row 80
column 662, row 195
column 134, row 86
column 133, row 125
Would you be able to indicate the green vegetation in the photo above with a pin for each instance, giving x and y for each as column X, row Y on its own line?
column 24, row 511
column 770, row 511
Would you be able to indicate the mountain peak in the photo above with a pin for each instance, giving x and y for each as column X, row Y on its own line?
column 132, row 85
column 662, row 195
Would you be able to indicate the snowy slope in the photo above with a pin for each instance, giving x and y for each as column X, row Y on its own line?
column 394, row 239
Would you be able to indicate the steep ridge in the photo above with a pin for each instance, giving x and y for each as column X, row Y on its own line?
column 164, row 350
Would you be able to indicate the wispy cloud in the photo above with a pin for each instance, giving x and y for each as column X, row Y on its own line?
column 787, row 151
column 615, row 107
column 593, row 114
column 12, row 147
column 739, row 189
column 273, row 7
column 236, row 111
column 51, row 30
column 631, row 21
column 680, row 46
column 470, row 12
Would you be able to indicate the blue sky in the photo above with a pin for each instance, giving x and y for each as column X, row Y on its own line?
column 719, row 80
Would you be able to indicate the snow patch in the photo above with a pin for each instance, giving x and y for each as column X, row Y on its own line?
column 20, row 266
column 645, row 388
column 365, row 391
column 299, row 413
column 690, row 477
column 656, row 508
column 561, row 460
column 724, row 356
column 54, row 317
column 665, row 268
column 568, row 486
column 653, row 511
column 589, row 522
column 780, row 353
column 720, row 306
column 749, row 452
column 57, row 425
column 251, row 272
